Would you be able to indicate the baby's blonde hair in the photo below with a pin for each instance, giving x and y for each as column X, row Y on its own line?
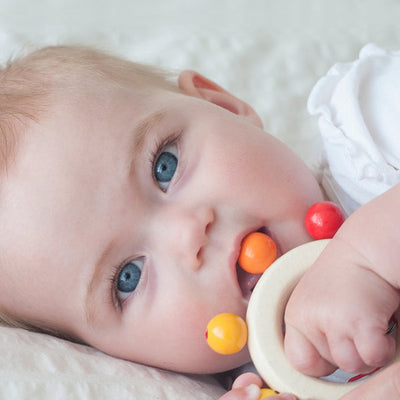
column 28, row 86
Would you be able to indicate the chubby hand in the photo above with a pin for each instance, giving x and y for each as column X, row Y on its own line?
column 338, row 314
column 384, row 385
column 247, row 387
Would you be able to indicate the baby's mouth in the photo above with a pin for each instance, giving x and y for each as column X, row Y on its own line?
column 246, row 280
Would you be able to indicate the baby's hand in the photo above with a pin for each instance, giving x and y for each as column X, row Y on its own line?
column 338, row 315
column 384, row 385
column 247, row 387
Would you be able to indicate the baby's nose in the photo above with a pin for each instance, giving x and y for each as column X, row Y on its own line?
column 187, row 234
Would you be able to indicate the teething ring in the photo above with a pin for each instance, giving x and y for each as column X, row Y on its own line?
column 265, row 318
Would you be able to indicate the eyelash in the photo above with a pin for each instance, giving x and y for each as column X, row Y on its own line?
column 113, row 277
column 159, row 147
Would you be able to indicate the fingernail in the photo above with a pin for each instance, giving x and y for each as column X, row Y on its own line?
column 252, row 391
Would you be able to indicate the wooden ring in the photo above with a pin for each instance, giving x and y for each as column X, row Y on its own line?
column 265, row 315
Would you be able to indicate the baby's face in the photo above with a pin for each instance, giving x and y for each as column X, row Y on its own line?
column 122, row 219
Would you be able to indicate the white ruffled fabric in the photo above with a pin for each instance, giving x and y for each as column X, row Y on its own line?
column 358, row 105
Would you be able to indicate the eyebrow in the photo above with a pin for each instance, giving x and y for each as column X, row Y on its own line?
column 144, row 127
column 139, row 136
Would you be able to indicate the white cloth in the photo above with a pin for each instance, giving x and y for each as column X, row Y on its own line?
column 358, row 104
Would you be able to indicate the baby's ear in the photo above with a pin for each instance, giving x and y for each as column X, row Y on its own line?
column 195, row 84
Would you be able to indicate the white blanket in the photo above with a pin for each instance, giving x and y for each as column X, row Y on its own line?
column 267, row 52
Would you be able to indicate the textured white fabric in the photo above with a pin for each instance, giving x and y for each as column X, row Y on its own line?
column 359, row 108
column 37, row 366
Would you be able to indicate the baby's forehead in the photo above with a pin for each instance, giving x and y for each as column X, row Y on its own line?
column 92, row 92
column 65, row 79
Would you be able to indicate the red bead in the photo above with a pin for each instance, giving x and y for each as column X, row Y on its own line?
column 323, row 219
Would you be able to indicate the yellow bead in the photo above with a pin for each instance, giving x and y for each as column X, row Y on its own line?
column 226, row 333
column 266, row 393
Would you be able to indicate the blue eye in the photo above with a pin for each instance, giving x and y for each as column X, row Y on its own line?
column 129, row 277
column 165, row 167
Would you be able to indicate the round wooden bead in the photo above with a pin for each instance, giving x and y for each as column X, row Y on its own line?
column 258, row 252
column 266, row 393
column 323, row 219
column 226, row 333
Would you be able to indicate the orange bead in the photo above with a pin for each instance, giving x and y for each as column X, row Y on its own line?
column 258, row 253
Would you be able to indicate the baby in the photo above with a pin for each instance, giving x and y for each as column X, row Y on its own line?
column 124, row 200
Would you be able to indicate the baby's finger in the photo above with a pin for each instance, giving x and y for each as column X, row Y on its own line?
column 304, row 356
column 385, row 385
column 346, row 356
column 247, row 379
column 375, row 347
column 250, row 392
column 282, row 396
